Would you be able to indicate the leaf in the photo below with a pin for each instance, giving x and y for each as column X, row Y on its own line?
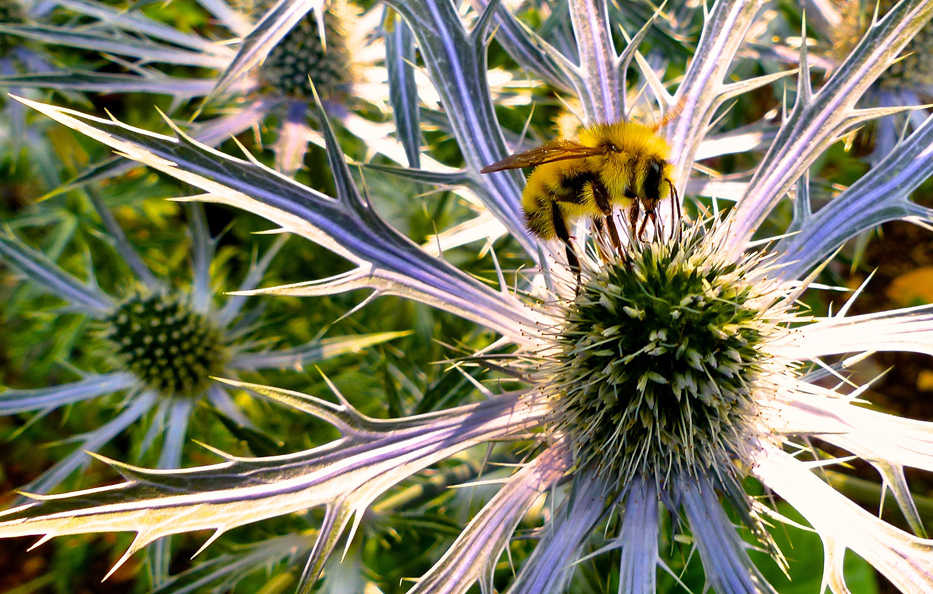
column 456, row 61
column 882, row 194
column 150, row 51
column 345, row 476
column 816, row 122
column 225, row 571
column 527, row 49
column 475, row 551
column 403, row 93
column 34, row 264
column 316, row 350
column 103, row 82
column 386, row 260
column 259, row 443
column 14, row 401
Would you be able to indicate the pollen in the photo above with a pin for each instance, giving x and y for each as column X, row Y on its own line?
column 168, row 346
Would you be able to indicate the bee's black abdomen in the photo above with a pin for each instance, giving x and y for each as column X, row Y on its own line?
column 560, row 227
column 539, row 219
column 574, row 185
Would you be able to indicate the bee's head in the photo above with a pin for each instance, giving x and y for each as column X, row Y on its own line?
column 654, row 176
column 657, row 183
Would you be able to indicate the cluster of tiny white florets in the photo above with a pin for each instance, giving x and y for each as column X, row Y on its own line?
column 660, row 362
column 169, row 347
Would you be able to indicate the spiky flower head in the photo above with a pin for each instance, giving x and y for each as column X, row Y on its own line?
column 659, row 360
column 304, row 57
column 313, row 52
column 914, row 69
column 164, row 346
column 171, row 348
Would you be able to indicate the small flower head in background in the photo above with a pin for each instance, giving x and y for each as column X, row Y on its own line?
column 305, row 57
column 908, row 81
column 160, row 59
column 648, row 393
column 163, row 343
column 170, row 348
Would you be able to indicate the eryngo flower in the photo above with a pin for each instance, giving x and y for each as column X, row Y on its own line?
column 678, row 367
column 909, row 81
column 162, row 343
column 314, row 52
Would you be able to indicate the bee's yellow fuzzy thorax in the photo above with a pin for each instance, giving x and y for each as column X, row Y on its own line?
column 630, row 137
column 629, row 167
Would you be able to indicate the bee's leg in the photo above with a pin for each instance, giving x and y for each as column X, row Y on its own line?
column 675, row 219
column 644, row 221
column 658, row 223
column 601, row 197
column 560, row 228
column 574, row 263
column 633, row 217
column 613, row 233
column 597, row 224
column 649, row 214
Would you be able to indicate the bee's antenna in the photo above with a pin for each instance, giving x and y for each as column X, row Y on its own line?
column 649, row 214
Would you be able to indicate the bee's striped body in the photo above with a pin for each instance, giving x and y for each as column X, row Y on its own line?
column 631, row 168
column 556, row 195
column 611, row 165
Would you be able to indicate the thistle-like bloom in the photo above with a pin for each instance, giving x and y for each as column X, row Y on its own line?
column 163, row 344
column 909, row 81
column 315, row 50
column 677, row 368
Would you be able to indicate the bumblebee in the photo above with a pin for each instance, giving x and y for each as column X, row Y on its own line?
column 623, row 164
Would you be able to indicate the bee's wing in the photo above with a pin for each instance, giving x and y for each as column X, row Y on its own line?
column 558, row 150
